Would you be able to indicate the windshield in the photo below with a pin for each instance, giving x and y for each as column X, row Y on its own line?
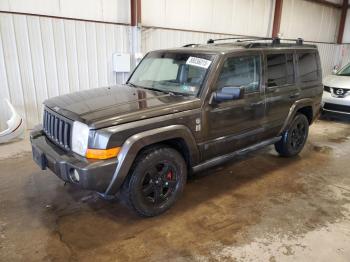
column 182, row 73
column 345, row 71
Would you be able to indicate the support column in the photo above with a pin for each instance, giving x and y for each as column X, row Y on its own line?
column 135, row 34
column 277, row 18
column 135, row 7
column 344, row 11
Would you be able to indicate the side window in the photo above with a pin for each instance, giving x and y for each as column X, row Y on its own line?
column 276, row 70
column 307, row 67
column 241, row 72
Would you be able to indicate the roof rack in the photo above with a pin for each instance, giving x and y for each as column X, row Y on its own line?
column 275, row 40
column 190, row 45
column 299, row 41
column 212, row 41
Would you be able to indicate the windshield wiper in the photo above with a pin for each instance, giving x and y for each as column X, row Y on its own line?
column 159, row 90
column 148, row 88
column 131, row 84
column 156, row 89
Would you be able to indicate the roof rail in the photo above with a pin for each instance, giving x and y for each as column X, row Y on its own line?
column 275, row 40
column 299, row 41
column 212, row 41
column 190, row 45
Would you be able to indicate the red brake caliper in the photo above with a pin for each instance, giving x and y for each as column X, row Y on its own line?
column 169, row 176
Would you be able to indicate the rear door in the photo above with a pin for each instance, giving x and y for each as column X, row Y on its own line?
column 281, row 88
column 309, row 74
column 234, row 124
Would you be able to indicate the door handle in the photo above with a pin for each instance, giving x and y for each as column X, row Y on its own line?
column 294, row 95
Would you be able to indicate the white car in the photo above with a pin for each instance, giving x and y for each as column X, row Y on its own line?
column 336, row 93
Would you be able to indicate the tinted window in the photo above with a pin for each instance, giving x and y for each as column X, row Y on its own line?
column 307, row 67
column 280, row 69
column 276, row 70
column 241, row 72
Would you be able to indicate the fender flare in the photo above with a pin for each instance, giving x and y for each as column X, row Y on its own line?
column 134, row 144
column 293, row 110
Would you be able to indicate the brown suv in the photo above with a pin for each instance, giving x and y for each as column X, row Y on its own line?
column 182, row 110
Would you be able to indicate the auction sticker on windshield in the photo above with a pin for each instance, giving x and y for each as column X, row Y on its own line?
column 200, row 62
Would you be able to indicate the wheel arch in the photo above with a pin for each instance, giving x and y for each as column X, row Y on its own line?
column 307, row 111
column 304, row 106
column 176, row 136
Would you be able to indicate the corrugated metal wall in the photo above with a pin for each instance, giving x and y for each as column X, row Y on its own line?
column 45, row 57
column 346, row 36
column 310, row 21
column 331, row 54
column 305, row 19
column 345, row 55
column 100, row 10
column 248, row 17
column 153, row 38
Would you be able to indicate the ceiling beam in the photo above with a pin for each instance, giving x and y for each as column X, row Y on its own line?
column 344, row 11
column 277, row 18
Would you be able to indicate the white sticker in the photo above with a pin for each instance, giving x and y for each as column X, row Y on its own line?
column 200, row 62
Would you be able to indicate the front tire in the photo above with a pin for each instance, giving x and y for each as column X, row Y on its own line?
column 155, row 181
column 294, row 139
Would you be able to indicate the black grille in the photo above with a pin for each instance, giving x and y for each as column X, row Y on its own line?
column 327, row 89
column 57, row 129
column 338, row 108
column 340, row 91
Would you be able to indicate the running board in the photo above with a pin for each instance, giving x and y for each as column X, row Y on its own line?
column 224, row 158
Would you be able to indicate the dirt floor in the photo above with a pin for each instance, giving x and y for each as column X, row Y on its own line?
column 258, row 208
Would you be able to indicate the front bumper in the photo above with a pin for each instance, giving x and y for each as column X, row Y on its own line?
column 335, row 104
column 94, row 175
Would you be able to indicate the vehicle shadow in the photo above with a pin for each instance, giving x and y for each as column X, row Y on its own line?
column 83, row 221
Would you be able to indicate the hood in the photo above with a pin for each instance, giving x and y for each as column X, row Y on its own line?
column 337, row 81
column 108, row 106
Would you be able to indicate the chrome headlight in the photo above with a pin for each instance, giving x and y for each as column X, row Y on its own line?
column 80, row 137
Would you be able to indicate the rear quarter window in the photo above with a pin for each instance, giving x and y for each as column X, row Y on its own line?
column 308, row 69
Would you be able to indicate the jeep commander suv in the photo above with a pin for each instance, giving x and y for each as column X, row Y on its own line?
column 182, row 110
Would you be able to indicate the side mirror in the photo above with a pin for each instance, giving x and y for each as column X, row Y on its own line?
column 227, row 93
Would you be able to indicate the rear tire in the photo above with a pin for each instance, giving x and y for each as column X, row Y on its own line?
column 293, row 139
column 155, row 181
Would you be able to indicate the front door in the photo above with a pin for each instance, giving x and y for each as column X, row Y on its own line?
column 237, row 123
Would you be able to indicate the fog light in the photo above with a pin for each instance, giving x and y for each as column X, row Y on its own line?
column 74, row 176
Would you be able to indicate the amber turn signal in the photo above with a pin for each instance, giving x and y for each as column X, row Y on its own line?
column 102, row 153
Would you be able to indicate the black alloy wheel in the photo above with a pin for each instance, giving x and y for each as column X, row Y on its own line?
column 155, row 181
column 298, row 134
column 159, row 182
column 294, row 139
